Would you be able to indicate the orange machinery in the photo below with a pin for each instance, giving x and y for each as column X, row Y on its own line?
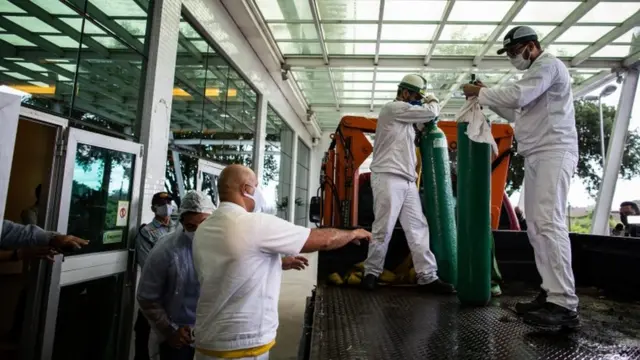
column 350, row 148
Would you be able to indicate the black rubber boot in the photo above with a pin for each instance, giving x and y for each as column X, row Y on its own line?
column 370, row 282
column 437, row 287
column 536, row 304
column 552, row 315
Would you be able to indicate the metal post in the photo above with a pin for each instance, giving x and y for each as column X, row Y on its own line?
column 292, row 190
column 617, row 142
column 259, row 143
column 601, row 133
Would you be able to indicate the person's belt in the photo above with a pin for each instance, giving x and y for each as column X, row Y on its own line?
column 238, row 354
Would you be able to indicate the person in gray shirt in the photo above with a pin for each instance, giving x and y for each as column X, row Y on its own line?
column 15, row 236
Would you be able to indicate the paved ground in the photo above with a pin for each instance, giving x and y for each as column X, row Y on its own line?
column 296, row 286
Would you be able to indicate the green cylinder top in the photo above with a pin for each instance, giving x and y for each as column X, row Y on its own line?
column 431, row 128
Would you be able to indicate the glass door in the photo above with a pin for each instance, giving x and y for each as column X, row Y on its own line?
column 90, row 292
column 207, row 181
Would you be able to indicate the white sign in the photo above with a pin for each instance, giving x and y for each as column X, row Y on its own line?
column 123, row 213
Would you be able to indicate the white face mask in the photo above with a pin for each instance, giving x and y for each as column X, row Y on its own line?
column 164, row 210
column 190, row 234
column 519, row 62
column 257, row 198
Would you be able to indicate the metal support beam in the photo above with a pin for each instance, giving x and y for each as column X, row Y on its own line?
column 438, row 32
column 378, row 35
column 593, row 83
column 571, row 19
column 177, row 168
column 323, row 45
column 260, row 137
column 292, row 190
column 615, row 151
column 441, row 62
column 627, row 25
column 495, row 35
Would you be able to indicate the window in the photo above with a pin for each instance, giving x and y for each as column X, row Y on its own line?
column 276, row 176
column 302, row 184
column 214, row 111
column 80, row 59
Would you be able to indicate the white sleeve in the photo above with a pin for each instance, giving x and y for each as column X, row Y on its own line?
column 522, row 92
column 279, row 236
column 414, row 114
column 507, row 114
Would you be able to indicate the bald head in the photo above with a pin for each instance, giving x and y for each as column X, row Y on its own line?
column 235, row 181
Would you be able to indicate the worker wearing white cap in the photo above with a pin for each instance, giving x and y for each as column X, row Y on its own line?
column 169, row 289
column 541, row 105
column 393, row 181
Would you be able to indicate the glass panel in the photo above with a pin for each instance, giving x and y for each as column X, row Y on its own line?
column 214, row 109
column 297, row 48
column 88, row 319
column 351, row 49
column 354, row 94
column 403, row 49
column 467, row 32
column 354, row 75
column 536, row 11
column 386, row 86
column 420, row 10
column 210, row 187
column 626, row 38
column 407, row 32
column 613, row 51
column 350, row 31
column 108, row 85
column 285, row 10
column 363, row 102
column 102, row 182
column 315, row 76
column 479, row 10
column 616, row 12
column 349, row 9
column 355, row 86
column 276, row 178
column 293, row 31
column 189, row 168
column 457, row 49
column 584, row 33
column 566, row 50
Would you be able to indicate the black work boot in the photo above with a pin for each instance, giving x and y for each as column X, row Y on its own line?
column 437, row 287
column 552, row 315
column 536, row 304
column 370, row 282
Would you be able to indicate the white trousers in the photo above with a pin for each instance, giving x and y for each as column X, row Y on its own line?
column 395, row 196
column 547, row 178
column 200, row 356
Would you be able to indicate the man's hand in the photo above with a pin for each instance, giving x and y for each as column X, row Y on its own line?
column 429, row 98
column 294, row 262
column 180, row 338
column 360, row 234
column 68, row 241
column 42, row 252
column 470, row 90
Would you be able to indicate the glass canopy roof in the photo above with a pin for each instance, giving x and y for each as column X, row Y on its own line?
column 347, row 56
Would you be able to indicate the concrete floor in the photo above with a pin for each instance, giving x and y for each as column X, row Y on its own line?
column 296, row 286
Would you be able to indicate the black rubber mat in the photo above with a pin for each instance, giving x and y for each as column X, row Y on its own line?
column 398, row 323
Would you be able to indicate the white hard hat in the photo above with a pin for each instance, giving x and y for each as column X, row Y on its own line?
column 196, row 201
column 414, row 82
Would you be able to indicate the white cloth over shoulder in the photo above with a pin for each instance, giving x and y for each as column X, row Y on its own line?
column 479, row 129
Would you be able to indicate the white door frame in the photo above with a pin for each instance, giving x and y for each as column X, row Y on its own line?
column 86, row 267
column 211, row 168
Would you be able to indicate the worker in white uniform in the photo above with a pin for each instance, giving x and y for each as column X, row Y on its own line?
column 237, row 254
column 393, row 181
column 541, row 105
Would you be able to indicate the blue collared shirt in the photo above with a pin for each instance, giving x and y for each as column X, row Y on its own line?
column 17, row 235
column 169, row 289
column 147, row 238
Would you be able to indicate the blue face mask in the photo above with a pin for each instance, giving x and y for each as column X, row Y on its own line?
column 416, row 102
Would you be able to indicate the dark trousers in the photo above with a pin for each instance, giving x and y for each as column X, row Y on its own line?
column 142, row 330
column 169, row 353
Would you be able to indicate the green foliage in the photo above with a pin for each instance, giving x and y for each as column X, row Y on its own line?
column 582, row 225
column 589, row 169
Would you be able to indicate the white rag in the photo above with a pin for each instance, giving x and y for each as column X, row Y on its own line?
column 479, row 129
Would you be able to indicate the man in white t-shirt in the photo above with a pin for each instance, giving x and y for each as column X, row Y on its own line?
column 237, row 255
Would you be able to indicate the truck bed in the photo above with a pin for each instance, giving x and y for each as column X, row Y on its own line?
column 398, row 323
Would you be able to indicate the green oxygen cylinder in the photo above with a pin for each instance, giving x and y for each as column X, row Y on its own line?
column 474, row 220
column 438, row 201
